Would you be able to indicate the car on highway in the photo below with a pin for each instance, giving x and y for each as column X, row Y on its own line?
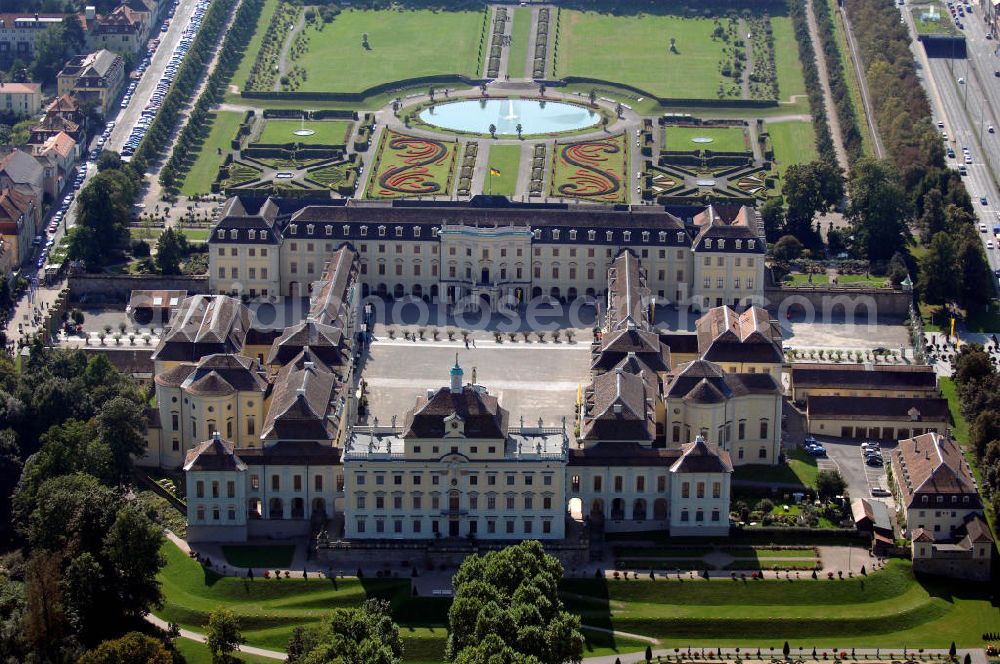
column 989, row 245
column 879, row 492
column 968, row 159
column 940, row 124
column 982, row 228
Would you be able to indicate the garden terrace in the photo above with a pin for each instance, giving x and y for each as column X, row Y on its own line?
column 412, row 166
column 593, row 170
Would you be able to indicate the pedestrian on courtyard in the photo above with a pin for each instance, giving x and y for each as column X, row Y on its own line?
column 473, row 342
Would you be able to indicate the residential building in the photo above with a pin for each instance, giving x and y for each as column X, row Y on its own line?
column 96, row 77
column 19, row 218
column 19, row 100
column 57, row 156
column 18, row 32
column 473, row 256
column 878, row 418
column 121, row 31
column 861, row 380
column 937, row 492
column 22, row 172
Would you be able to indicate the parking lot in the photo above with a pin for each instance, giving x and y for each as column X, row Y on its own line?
column 847, row 457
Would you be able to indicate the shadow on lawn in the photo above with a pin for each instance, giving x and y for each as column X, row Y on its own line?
column 591, row 600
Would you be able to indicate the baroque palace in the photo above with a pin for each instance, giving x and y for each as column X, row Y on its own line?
column 265, row 422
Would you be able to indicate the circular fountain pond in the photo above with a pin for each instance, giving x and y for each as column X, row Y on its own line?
column 535, row 116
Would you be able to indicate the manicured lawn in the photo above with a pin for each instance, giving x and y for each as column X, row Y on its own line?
column 800, row 279
column 222, row 130
column 328, row 132
column 591, row 170
column 724, row 139
column 635, row 50
column 197, row 653
column 800, row 469
column 887, row 608
column 506, row 159
column 960, row 428
column 870, row 280
column 941, row 25
column 520, row 40
column 794, row 142
column 195, row 234
column 411, row 166
column 259, row 556
column 402, row 45
column 243, row 71
column 786, row 58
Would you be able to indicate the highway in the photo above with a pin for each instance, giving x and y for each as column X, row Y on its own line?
column 966, row 110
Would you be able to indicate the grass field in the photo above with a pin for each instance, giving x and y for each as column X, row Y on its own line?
column 591, row 170
column 887, row 608
column 786, row 59
column 635, row 50
column 794, row 142
column 198, row 653
column 411, row 166
column 724, row 139
column 506, row 159
column 269, row 609
column 328, row 132
column 222, row 129
column 942, row 25
column 253, row 47
column 851, row 74
column 520, row 40
column 259, row 556
column 402, row 45
column 800, row 469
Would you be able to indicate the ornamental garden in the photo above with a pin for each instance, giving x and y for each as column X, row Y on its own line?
column 619, row 104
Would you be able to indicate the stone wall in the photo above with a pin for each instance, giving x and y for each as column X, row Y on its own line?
column 833, row 304
column 116, row 288
column 954, row 567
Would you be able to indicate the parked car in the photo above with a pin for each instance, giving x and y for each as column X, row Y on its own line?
column 874, row 461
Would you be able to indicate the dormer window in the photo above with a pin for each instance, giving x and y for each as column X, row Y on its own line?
column 310, row 228
column 263, row 236
column 221, row 234
column 233, row 234
column 708, row 244
column 627, row 235
column 538, row 234
column 329, row 229
column 739, row 244
column 555, row 234
column 680, row 236
column 722, row 244
column 252, row 233
column 434, row 231
column 416, row 231
column 399, row 231
column 750, row 244
column 645, row 236
column 572, row 234
column 662, row 235
column 381, row 231
column 364, row 231
column 347, row 230
column 609, row 235
column 591, row 235
column 293, row 229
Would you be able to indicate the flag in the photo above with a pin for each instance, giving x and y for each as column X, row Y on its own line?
column 494, row 172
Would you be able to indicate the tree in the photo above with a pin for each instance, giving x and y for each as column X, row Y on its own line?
column 132, row 550
column 933, row 219
column 593, row 97
column 132, row 648
column 109, row 160
column 519, row 129
column 830, row 483
column 45, row 625
column 673, row 45
column 984, row 430
column 773, row 214
column 938, row 280
column 511, row 595
column 223, row 635
column 785, row 649
column 809, row 189
column 366, row 635
column 493, row 130
column 787, row 248
column 50, row 53
column 170, row 249
column 897, row 271
column 367, row 47
column 120, row 427
column 649, row 653
column 879, row 208
column 975, row 279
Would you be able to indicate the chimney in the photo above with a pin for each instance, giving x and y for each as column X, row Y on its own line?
column 309, row 366
column 430, row 393
column 617, row 408
column 90, row 12
column 301, row 391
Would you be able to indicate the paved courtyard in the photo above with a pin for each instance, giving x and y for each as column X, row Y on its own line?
column 845, row 336
column 536, row 380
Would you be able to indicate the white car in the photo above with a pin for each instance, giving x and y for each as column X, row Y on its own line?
column 989, row 245
column 961, row 81
column 982, row 228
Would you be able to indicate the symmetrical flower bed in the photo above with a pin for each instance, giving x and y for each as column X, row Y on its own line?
column 592, row 170
column 412, row 166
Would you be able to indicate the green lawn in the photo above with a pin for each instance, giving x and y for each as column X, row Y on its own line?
column 195, row 234
column 786, row 58
column 402, row 45
column 724, row 139
column 197, row 653
column 328, row 132
column 860, row 279
column 520, row 40
column 800, row 469
column 794, row 142
column 243, row 71
column 942, row 25
column 506, row 159
column 851, row 74
column 259, row 556
column 960, row 428
column 887, row 608
column 801, row 279
column 635, row 50
column 222, row 130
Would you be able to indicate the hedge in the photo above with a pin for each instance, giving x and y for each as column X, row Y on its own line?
column 334, row 114
column 839, row 91
column 810, row 72
column 391, row 86
column 664, row 101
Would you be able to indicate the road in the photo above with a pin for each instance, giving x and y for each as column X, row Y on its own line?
column 151, row 77
column 967, row 110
